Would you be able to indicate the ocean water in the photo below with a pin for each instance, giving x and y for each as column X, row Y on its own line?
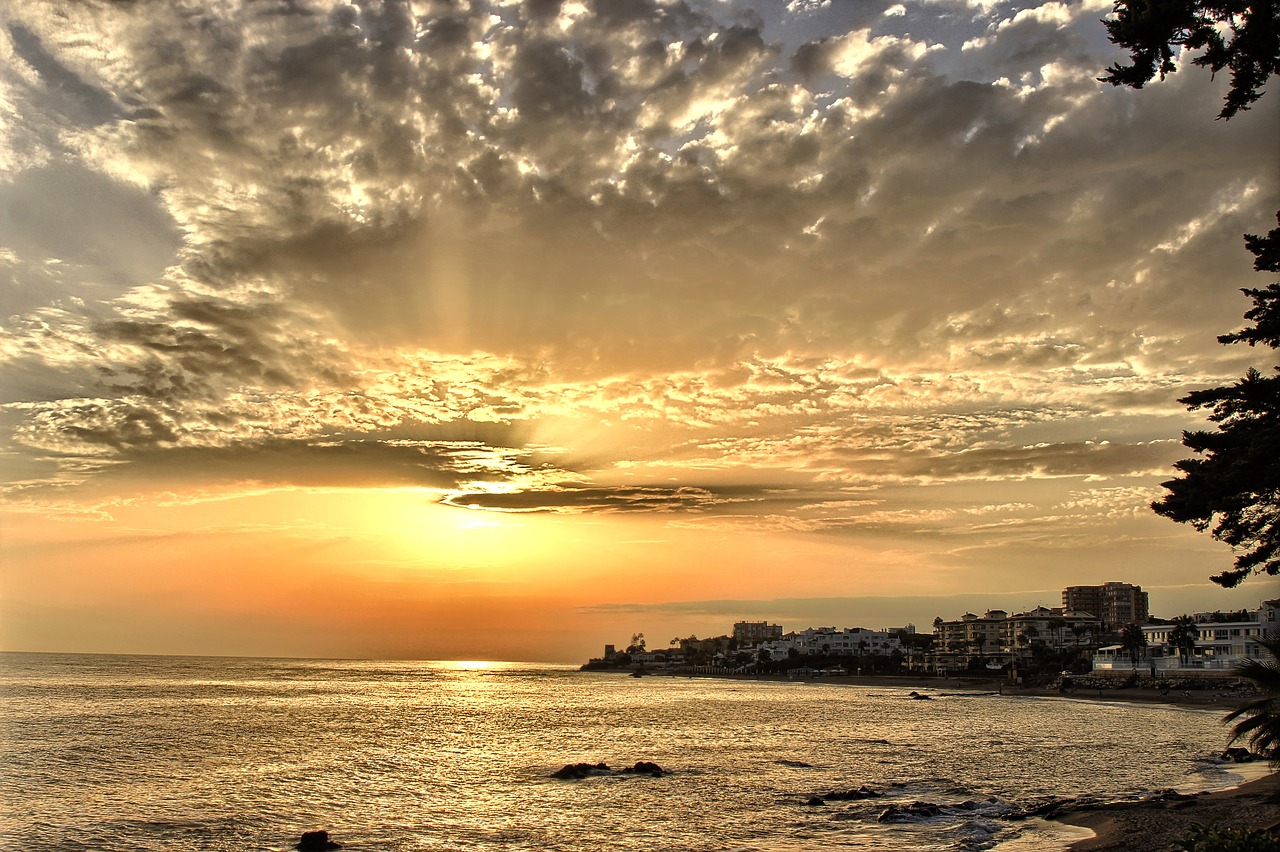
column 177, row 753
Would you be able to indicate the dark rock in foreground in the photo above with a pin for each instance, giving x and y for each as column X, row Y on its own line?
column 316, row 841
column 905, row 813
column 863, row 792
column 1056, row 807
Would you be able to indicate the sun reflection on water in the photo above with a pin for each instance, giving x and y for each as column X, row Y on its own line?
column 474, row 665
column 449, row 754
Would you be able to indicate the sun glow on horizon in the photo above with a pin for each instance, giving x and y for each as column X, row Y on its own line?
column 475, row 665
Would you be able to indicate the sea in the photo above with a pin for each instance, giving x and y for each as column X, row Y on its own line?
column 101, row 753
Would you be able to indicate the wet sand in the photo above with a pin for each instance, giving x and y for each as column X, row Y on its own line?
column 1154, row 826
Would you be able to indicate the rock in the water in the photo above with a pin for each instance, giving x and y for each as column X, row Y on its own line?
column 917, row 696
column 902, row 813
column 815, row 801
column 316, row 841
column 1238, row 755
column 863, row 792
column 645, row 767
column 581, row 770
column 575, row 771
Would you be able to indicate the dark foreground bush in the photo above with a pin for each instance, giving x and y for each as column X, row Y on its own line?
column 1209, row 838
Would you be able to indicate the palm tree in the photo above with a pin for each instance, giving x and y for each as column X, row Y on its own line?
column 1259, row 717
column 1133, row 640
column 1056, row 626
column 1183, row 636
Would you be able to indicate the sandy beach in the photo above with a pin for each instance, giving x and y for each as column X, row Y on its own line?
column 1154, row 826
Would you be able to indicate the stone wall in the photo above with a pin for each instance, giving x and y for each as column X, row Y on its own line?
column 1209, row 679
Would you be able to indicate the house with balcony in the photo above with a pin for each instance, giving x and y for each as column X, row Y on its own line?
column 1222, row 642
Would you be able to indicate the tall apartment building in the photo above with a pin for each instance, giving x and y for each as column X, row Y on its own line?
column 996, row 631
column 754, row 632
column 1114, row 603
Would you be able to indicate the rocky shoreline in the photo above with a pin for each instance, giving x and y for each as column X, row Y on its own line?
column 1150, row 823
column 1155, row 823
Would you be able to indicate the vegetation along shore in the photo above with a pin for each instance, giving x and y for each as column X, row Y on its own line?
column 1242, row 819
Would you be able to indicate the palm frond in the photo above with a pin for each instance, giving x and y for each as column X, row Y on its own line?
column 1257, row 720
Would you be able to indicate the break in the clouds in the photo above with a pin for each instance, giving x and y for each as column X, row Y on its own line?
column 717, row 260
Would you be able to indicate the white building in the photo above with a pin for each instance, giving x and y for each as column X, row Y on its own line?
column 1221, row 643
column 830, row 640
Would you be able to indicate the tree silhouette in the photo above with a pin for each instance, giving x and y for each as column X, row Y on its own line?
column 1235, row 487
column 1240, row 35
column 1259, row 717
column 1133, row 640
column 1183, row 636
column 1056, row 626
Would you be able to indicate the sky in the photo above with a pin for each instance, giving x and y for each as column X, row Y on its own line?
column 467, row 330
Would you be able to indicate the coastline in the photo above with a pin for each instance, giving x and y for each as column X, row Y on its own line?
column 1203, row 699
column 1149, row 825
column 1154, row 825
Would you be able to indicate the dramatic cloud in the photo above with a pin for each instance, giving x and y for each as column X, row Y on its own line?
column 780, row 268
